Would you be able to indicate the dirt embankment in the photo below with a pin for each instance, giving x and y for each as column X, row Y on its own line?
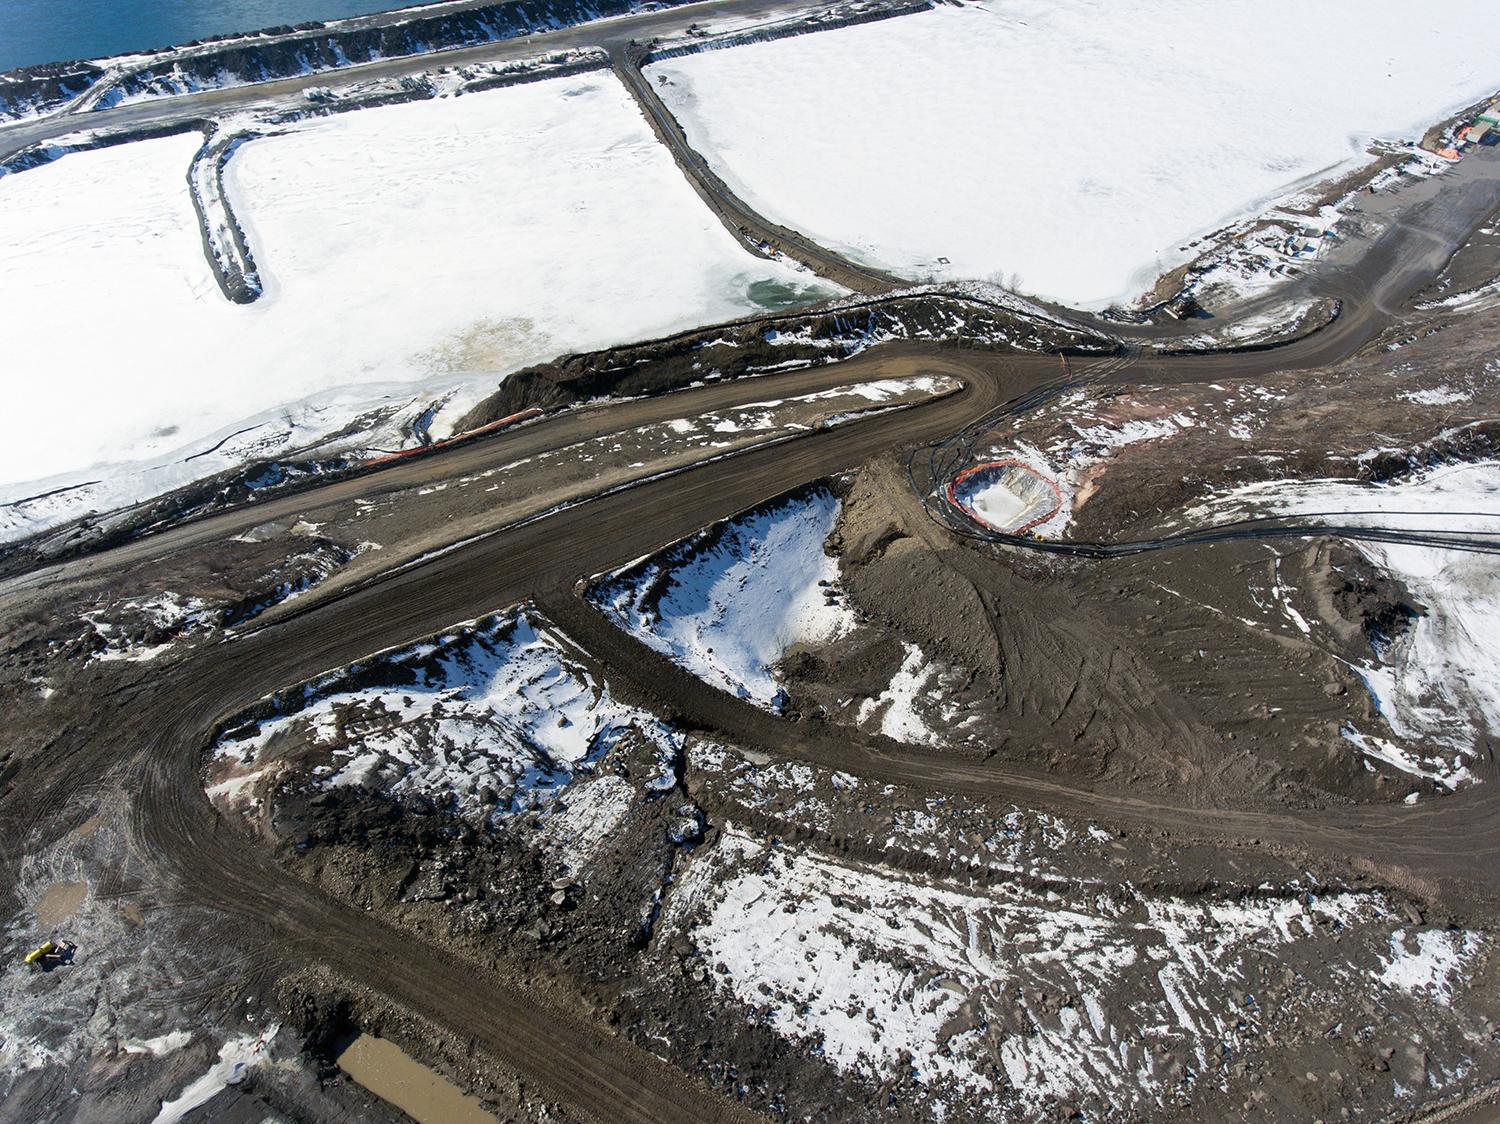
column 224, row 241
column 1425, row 398
column 765, row 343
column 1092, row 671
column 40, row 89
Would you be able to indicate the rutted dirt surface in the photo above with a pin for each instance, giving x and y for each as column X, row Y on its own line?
column 1138, row 763
column 1089, row 710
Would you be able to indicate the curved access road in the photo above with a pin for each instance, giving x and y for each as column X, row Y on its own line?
column 170, row 718
column 748, row 226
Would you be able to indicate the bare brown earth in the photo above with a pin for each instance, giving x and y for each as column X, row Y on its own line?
column 1103, row 701
column 1100, row 717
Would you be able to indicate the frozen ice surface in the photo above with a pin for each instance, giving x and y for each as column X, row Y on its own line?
column 1009, row 496
column 411, row 254
column 1070, row 147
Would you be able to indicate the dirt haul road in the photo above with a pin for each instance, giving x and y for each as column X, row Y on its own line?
column 170, row 719
column 173, row 717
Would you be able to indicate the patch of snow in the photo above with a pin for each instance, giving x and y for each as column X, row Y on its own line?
column 1281, row 593
column 1438, row 685
column 593, row 811
column 1264, row 327
column 166, row 613
column 235, row 1057
column 498, row 713
column 868, row 967
column 729, row 603
column 1436, row 396
column 158, row 1047
column 1449, row 774
column 980, row 134
column 895, row 706
column 1427, row 961
column 1481, row 294
column 1097, row 441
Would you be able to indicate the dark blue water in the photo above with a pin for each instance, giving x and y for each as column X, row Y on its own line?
column 33, row 31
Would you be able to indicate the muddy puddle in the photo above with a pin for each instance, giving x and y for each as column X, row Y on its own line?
column 427, row 1097
column 60, row 901
column 89, row 826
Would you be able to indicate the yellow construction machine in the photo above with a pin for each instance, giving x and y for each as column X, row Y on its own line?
column 49, row 954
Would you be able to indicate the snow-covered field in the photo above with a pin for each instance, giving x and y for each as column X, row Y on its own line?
column 1070, row 147
column 411, row 255
column 498, row 715
column 728, row 604
column 1091, row 992
column 1438, row 684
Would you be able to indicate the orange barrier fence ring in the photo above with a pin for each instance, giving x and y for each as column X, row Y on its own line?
column 1009, row 462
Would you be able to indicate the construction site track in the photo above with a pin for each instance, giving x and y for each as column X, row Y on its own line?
column 177, row 714
column 170, row 718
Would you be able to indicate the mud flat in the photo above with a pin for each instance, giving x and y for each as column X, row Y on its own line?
column 60, row 901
